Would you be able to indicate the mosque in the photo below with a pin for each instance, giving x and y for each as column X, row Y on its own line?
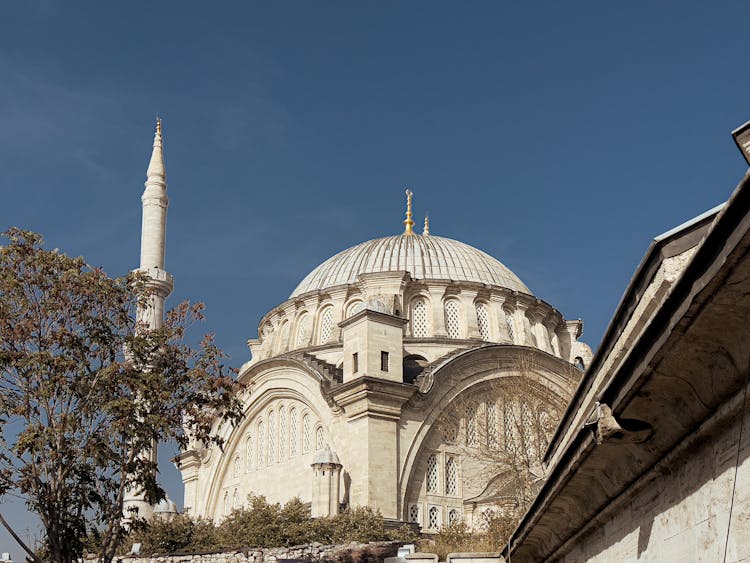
column 411, row 373
column 419, row 376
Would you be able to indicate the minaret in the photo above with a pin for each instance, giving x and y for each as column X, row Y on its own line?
column 160, row 283
column 153, row 234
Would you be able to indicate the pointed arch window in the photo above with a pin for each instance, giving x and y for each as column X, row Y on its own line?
column 483, row 321
column 302, row 330
column 320, row 440
column 454, row 517
column 282, row 433
column 271, row 438
column 236, row 466
column 326, row 325
column 527, row 427
column 235, row 500
column 306, row 431
column 226, row 503
column 419, row 325
column 451, row 477
column 249, row 452
column 261, row 444
column 509, row 422
column 433, row 517
column 492, row 424
column 472, row 434
column 293, row 432
column 432, row 474
column 452, row 319
column 414, row 514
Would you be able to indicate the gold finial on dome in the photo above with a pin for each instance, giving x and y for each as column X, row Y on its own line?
column 408, row 223
column 426, row 230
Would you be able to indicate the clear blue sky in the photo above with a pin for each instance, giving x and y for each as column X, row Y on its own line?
column 559, row 137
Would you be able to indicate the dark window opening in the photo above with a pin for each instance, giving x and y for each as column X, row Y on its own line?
column 413, row 366
column 355, row 362
column 383, row 361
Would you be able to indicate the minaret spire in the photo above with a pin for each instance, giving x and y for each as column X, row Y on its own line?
column 159, row 282
column 408, row 223
column 155, row 202
column 156, row 165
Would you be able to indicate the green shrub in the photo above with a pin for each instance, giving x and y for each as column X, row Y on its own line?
column 262, row 524
column 182, row 534
column 459, row 537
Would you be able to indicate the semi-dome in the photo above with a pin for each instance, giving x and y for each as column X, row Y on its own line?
column 423, row 256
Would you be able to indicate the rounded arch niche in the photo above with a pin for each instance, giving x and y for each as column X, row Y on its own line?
column 466, row 433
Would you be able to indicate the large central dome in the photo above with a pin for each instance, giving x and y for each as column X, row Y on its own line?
column 423, row 256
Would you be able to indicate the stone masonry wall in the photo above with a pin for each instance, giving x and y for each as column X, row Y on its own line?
column 311, row 552
column 682, row 512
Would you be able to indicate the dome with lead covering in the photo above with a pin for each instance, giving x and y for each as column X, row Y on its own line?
column 425, row 257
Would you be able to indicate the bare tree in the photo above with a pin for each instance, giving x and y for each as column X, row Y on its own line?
column 503, row 428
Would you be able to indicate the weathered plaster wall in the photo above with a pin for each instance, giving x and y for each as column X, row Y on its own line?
column 680, row 512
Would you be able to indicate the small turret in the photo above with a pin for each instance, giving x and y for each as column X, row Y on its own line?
column 326, row 476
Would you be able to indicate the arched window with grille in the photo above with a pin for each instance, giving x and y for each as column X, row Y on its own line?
column 472, row 434
column 454, row 517
column 326, row 325
column 306, row 431
column 433, row 518
column 320, row 440
column 282, row 434
column 271, row 438
column 509, row 325
column 303, row 331
column 261, row 444
column 483, row 321
column 235, row 500
column 226, row 503
column 433, row 478
column 492, row 424
column 249, row 451
column 527, row 428
column 415, row 515
column 236, row 466
column 452, row 319
column 419, row 320
column 450, row 431
column 451, row 477
column 509, row 422
column 293, row 432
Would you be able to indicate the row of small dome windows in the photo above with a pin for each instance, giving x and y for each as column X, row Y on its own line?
column 420, row 324
column 275, row 439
